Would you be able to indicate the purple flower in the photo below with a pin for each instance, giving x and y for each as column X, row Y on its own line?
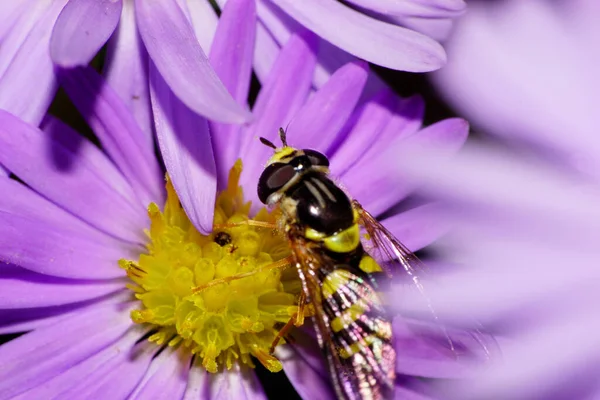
column 80, row 213
column 526, row 213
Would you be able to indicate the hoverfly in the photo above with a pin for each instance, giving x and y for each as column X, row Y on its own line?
column 323, row 226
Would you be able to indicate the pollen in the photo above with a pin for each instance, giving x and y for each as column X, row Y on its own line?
column 225, row 295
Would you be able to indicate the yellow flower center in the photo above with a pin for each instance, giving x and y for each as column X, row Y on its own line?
column 190, row 288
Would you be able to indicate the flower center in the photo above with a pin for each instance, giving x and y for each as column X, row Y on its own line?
column 190, row 288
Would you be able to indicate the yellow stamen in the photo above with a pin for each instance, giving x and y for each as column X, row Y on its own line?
column 221, row 295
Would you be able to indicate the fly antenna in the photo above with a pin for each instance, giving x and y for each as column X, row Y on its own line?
column 268, row 143
column 282, row 137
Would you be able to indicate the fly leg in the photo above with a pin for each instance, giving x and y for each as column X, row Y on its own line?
column 296, row 320
column 281, row 264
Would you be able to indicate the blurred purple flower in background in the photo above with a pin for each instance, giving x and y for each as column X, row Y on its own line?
column 527, row 71
column 80, row 210
column 526, row 218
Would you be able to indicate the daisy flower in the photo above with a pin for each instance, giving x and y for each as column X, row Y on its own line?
column 102, row 255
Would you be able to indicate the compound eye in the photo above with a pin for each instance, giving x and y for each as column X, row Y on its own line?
column 316, row 158
column 273, row 178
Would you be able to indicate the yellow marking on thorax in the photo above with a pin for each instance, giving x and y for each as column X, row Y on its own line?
column 344, row 241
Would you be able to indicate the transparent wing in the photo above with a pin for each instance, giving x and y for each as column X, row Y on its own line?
column 351, row 325
column 400, row 263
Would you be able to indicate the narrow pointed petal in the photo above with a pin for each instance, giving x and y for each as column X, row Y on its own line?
column 365, row 37
column 66, row 179
column 167, row 376
column 172, row 45
column 81, row 29
column 305, row 367
column 204, row 20
column 29, row 319
column 369, row 119
column 418, row 227
column 231, row 55
column 318, row 122
column 126, row 70
column 21, row 288
column 40, row 236
column 111, row 373
column 385, row 187
column 51, row 249
column 28, row 82
column 266, row 52
column 281, row 96
column 185, row 145
column 46, row 352
column 117, row 130
column 365, row 144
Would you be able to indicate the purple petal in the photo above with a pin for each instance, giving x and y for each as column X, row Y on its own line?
column 237, row 383
column 422, row 351
column 282, row 95
column 70, row 181
column 117, row 130
column 10, row 12
column 305, row 367
column 365, row 37
column 55, row 250
column 418, row 227
column 126, row 70
column 172, row 45
column 231, row 55
column 43, row 237
column 196, row 385
column 420, row 8
column 28, row 319
column 27, row 82
column 185, row 144
column 382, row 173
column 406, row 120
column 81, row 29
column 204, row 20
column 436, row 28
column 318, row 122
column 365, row 125
column 265, row 54
column 21, row 288
column 166, row 377
column 20, row 29
column 46, row 352
column 362, row 143
column 112, row 373
column 102, row 166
